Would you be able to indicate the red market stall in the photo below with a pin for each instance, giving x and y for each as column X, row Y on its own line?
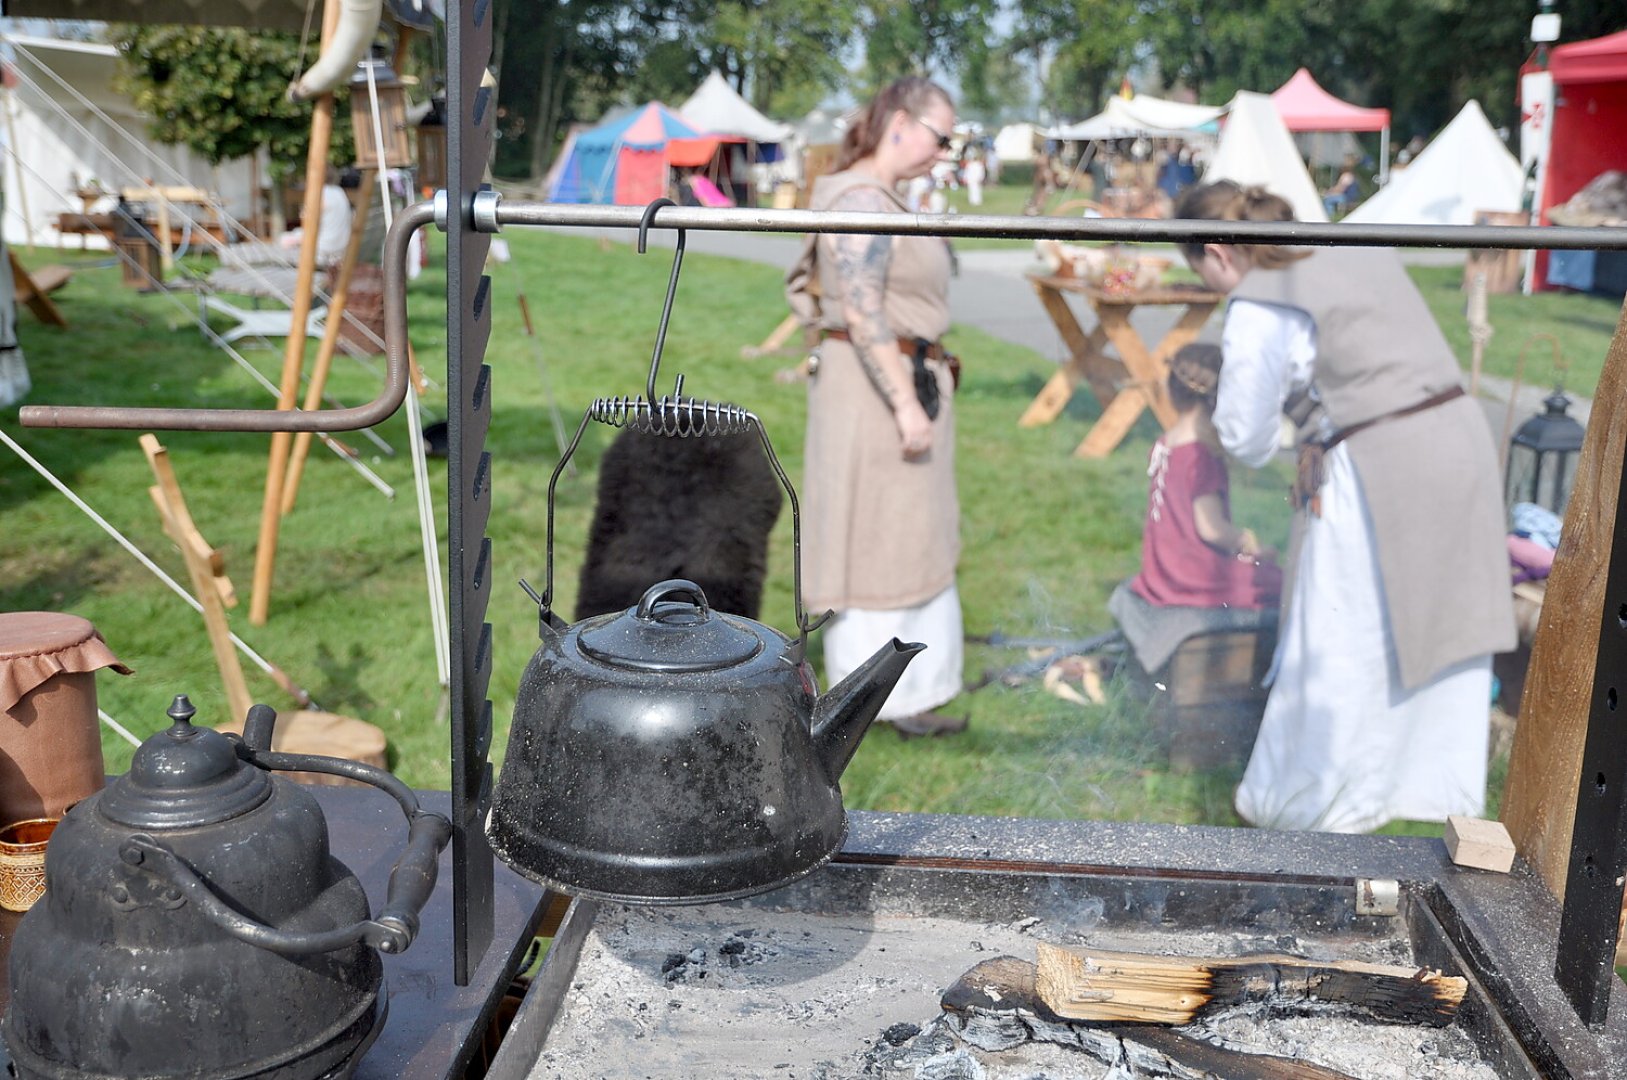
column 1589, row 134
column 1305, row 106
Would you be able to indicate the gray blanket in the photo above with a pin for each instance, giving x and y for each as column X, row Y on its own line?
column 1156, row 632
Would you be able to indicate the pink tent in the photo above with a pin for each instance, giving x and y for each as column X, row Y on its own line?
column 1305, row 106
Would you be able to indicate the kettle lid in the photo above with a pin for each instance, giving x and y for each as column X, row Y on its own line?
column 184, row 776
column 672, row 636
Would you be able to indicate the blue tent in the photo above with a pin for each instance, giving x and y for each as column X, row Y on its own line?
column 623, row 161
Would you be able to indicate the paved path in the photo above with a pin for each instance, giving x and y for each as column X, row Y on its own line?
column 991, row 294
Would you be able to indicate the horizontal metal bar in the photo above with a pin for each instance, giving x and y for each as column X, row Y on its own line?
column 323, row 420
column 1122, row 230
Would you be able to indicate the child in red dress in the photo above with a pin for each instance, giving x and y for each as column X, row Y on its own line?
column 1192, row 554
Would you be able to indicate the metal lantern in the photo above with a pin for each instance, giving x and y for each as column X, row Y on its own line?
column 392, row 115
column 1543, row 454
column 432, row 145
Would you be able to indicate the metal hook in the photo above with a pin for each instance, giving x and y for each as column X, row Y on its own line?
column 672, row 289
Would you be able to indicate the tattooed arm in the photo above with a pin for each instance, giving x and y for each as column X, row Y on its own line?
column 861, row 265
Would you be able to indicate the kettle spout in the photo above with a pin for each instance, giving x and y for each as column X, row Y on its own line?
column 846, row 710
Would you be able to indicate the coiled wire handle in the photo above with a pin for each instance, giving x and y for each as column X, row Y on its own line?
column 677, row 417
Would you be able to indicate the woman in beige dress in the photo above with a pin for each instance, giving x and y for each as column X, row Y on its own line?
column 882, row 521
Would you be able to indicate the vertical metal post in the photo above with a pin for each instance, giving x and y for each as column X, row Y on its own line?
column 1589, row 925
column 471, row 109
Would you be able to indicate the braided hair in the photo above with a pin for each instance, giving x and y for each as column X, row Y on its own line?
column 1194, row 377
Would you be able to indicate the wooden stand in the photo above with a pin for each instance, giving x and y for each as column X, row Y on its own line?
column 1124, row 385
column 207, row 570
column 33, row 290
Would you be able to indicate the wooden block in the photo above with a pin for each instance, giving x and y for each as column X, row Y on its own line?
column 1482, row 844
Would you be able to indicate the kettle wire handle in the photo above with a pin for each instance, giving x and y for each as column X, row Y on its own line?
column 676, row 416
column 412, row 879
column 680, row 417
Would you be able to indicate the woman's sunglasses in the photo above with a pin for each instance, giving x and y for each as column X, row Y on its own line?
column 944, row 141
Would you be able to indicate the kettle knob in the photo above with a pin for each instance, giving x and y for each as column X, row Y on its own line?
column 672, row 587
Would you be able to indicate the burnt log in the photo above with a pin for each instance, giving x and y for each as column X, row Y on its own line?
column 995, row 1006
column 1091, row 984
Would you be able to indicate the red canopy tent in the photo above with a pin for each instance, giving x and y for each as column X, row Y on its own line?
column 1589, row 121
column 1305, row 106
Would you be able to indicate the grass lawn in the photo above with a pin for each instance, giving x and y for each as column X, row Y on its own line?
column 1046, row 536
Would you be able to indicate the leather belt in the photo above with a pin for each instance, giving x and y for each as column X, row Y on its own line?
column 906, row 345
column 1307, row 490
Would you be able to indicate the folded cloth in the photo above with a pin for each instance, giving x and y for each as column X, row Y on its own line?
column 1155, row 632
column 1537, row 522
column 1530, row 561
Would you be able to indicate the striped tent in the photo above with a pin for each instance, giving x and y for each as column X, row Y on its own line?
column 623, row 161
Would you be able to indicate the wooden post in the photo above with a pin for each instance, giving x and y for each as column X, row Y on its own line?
column 1479, row 330
column 1544, row 770
column 337, row 301
column 210, row 584
column 316, row 164
column 166, row 254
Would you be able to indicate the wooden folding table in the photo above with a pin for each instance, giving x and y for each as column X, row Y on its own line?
column 1124, row 384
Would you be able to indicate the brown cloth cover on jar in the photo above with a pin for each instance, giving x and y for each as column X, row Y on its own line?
column 50, row 744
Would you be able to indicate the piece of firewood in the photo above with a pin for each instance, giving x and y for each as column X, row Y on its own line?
column 994, row 1007
column 1482, row 844
column 1090, row 984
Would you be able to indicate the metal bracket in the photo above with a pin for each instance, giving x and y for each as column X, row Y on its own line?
column 484, row 211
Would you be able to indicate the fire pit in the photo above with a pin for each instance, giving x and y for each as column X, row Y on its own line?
column 842, row 974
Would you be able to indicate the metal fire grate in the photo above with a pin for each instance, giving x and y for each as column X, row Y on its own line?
column 805, row 981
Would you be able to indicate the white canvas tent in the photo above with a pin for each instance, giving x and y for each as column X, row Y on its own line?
column 1125, row 118
column 718, row 109
column 1256, row 148
column 1466, row 168
column 56, row 142
column 1015, row 142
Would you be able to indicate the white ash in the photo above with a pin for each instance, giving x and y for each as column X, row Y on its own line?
column 735, row 993
column 1370, row 1050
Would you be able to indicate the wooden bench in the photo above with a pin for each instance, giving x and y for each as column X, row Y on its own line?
column 34, row 289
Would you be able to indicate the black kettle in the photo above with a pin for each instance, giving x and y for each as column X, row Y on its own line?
column 195, row 924
column 672, row 754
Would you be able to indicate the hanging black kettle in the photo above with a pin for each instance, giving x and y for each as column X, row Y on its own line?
column 670, row 753
column 194, row 923
column 674, row 754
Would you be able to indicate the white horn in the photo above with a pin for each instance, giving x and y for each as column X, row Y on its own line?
column 358, row 23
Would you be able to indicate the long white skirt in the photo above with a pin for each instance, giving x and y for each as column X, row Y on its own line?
column 1342, row 747
column 932, row 677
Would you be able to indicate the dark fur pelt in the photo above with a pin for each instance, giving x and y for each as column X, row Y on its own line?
column 697, row 508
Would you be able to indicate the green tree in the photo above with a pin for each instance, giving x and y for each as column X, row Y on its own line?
column 920, row 37
column 1091, row 45
column 221, row 93
column 576, row 58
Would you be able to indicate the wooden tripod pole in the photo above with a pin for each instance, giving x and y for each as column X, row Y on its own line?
column 316, row 163
column 1544, row 769
column 203, row 565
column 337, row 302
